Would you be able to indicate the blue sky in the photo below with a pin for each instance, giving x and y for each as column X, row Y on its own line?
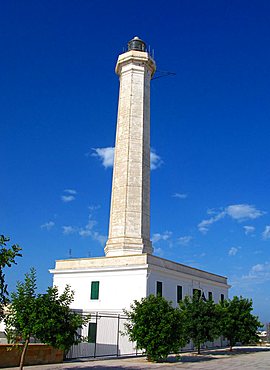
column 209, row 132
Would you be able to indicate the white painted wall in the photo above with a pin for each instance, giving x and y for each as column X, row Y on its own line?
column 117, row 289
column 171, row 279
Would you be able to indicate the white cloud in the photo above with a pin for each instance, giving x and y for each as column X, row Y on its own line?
column 238, row 212
column 95, row 235
column 258, row 274
column 233, row 251
column 88, row 231
column 155, row 160
column 157, row 236
column 243, row 212
column 266, row 233
column 106, row 156
column 67, row 230
column 184, row 240
column 180, row 195
column 249, row 229
column 203, row 226
column 99, row 237
column 67, row 198
column 70, row 191
column 48, row 225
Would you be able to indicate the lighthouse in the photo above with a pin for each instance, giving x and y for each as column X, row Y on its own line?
column 129, row 227
column 105, row 286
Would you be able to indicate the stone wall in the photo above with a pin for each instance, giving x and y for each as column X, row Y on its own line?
column 37, row 354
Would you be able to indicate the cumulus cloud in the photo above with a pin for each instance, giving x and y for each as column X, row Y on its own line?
column 238, row 212
column 266, row 233
column 249, row 229
column 184, row 240
column 258, row 274
column 243, row 212
column 233, row 251
column 106, row 156
column 180, row 195
column 157, row 236
column 48, row 225
column 69, row 195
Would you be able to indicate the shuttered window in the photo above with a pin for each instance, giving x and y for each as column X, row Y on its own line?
column 94, row 289
column 92, row 332
column 179, row 293
column 210, row 296
column 222, row 297
column 159, row 289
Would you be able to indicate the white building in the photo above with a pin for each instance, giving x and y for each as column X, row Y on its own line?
column 129, row 271
column 110, row 284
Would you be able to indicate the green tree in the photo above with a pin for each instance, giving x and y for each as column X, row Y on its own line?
column 237, row 322
column 43, row 316
column 200, row 318
column 156, row 327
column 58, row 325
column 7, row 258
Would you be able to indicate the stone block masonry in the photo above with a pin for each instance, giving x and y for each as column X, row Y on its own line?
column 129, row 229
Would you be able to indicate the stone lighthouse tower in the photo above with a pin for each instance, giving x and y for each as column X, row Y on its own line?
column 129, row 228
column 104, row 286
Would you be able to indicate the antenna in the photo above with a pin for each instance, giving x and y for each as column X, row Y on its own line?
column 160, row 74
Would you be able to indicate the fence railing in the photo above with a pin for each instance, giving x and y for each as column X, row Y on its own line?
column 105, row 337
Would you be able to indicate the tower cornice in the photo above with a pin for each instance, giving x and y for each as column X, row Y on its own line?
column 134, row 56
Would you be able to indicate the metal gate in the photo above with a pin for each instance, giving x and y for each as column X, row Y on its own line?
column 104, row 336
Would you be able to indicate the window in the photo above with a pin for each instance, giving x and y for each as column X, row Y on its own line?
column 159, row 289
column 92, row 332
column 197, row 292
column 210, row 296
column 222, row 297
column 179, row 293
column 94, row 289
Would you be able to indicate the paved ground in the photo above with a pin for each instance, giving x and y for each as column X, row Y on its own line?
column 246, row 358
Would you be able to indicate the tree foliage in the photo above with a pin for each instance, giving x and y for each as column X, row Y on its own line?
column 57, row 324
column 7, row 258
column 200, row 319
column 156, row 327
column 238, row 324
column 43, row 316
